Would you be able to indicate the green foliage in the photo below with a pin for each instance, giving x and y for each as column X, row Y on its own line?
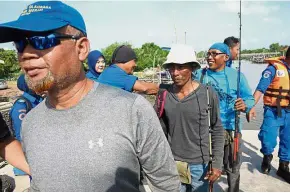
column 201, row 54
column 150, row 55
column 275, row 47
column 10, row 68
column 85, row 65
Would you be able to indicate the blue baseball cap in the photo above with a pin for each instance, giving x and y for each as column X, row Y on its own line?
column 224, row 48
column 42, row 16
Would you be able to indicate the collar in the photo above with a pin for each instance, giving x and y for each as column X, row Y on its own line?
column 32, row 98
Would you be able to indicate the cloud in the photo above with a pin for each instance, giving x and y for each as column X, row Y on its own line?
column 248, row 8
column 272, row 20
column 284, row 35
column 253, row 40
column 8, row 46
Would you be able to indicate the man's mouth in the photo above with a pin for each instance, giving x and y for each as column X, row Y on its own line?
column 33, row 72
column 210, row 62
column 178, row 79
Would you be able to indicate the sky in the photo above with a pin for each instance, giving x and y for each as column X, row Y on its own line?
column 166, row 23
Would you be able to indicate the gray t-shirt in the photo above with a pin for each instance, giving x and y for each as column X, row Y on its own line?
column 97, row 145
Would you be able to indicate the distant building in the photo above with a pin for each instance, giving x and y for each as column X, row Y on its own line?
column 166, row 48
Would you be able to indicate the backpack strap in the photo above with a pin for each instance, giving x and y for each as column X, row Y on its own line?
column 161, row 97
column 203, row 72
column 210, row 96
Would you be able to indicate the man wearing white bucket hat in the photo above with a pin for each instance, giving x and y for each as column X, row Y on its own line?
column 183, row 111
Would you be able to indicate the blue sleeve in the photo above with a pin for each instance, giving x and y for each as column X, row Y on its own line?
column 129, row 82
column 17, row 114
column 266, row 79
column 118, row 78
column 246, row 93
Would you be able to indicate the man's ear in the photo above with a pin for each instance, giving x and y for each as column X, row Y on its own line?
column 83, row 46
column 227, row 58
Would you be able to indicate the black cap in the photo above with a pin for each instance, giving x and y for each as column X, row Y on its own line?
column 123, row 54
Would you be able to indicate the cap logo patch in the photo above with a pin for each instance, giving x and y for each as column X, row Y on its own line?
column 34, row 8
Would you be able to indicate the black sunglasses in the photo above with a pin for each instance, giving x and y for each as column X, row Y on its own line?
column 213, row 54
column 43, row 42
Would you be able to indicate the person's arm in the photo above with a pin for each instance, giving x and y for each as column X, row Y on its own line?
column 217, row 137
column 257, row 96
column 217, row 131
column 153, row 150
column 11, row 150
column 267, row 77
column 145, row 87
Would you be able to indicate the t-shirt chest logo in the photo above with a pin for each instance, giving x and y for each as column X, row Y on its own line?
column 92, row 143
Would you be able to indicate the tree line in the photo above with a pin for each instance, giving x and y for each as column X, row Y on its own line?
column 149, row 55
column 274, row 47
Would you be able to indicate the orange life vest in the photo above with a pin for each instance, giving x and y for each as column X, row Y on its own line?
column 278, row 93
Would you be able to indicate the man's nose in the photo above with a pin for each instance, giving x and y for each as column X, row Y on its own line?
column 209, row 56
column 175, row 71
column 29, row 53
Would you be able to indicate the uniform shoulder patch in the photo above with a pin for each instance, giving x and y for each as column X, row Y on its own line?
column 267, row 74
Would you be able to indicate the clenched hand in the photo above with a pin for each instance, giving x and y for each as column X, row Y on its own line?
column 214, row 175
column 240, row 105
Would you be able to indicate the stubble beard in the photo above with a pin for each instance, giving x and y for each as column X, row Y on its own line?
column 42, row 85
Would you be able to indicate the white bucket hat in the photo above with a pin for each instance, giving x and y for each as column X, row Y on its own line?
column 181, row 54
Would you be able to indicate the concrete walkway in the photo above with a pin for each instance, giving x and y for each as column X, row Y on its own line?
column 252, row 180
column 22, row 182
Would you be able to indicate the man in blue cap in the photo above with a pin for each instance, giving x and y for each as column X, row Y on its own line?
column 21, row 107
column 224, row 80
column 69, row 139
